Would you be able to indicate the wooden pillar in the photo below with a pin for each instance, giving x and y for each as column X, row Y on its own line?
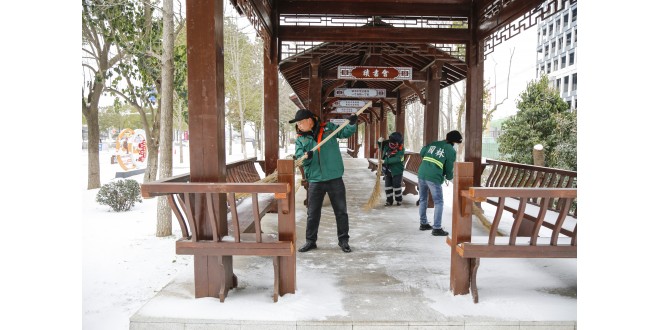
column 286, row 226
column 474, row 103
column 206, row 97
column 461, row 229
column 383, row 124
column 373, row 129
column 400, row 118
column 367, row 140
column 271, row 108
column 432, row 109
column 315, row 88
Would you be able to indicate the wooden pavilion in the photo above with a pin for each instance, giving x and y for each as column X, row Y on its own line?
column 441, row 41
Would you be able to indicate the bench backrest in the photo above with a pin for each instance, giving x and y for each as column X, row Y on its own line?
column 194, row 203
column 413, row 162
column 243, row 171
column 516, row 175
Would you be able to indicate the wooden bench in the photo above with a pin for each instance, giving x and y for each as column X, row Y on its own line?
column 553, row 231
column 353, row 152
column 245, row 171
column 198, row 207
column 516, row 175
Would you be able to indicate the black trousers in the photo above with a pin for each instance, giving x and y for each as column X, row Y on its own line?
column 316, row 193
column 393, row 188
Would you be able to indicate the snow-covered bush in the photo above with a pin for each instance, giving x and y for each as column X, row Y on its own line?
column 120, row 195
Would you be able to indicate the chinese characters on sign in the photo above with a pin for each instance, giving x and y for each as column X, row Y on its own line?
column 349, row 103
column 374, row 73
column 359, row 92
column 345, row 110
column 337, row 121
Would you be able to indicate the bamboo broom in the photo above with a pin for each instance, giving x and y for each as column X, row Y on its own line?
column 375, row 194
column 272, row 178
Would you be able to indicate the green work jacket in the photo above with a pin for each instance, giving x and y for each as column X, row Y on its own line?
column 326, row 162
column 437, row 162
column 393, row 162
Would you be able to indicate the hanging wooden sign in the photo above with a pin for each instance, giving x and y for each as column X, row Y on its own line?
column 345, row 110
column 349, row 103
column 374, row 73
column 360, row 92
column 337, row 121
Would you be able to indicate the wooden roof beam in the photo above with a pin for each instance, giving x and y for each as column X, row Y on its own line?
column 373, row 34
column 372, row 9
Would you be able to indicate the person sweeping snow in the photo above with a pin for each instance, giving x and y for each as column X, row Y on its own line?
column 393, row 156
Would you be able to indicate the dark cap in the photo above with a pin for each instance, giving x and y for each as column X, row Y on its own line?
column 396, row 137
column 454, row 137
column 300, row 115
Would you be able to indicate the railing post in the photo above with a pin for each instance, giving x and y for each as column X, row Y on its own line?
column 461, row 229
column 286, row 224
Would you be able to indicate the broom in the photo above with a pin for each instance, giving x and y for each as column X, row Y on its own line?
column 272, row 178
column 375, row 194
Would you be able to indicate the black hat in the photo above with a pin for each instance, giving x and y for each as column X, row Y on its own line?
column 300, row 115
column 454, row 137
column 396, row 137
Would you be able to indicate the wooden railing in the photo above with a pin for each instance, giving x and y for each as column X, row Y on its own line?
column 525, row 238
column 201, row 211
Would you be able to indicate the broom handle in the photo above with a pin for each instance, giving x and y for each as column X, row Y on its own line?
column 341, row 126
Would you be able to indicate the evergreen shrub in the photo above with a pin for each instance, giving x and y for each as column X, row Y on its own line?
column 120, row 195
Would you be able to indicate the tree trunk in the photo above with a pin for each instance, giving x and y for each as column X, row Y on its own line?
column 93, row 165
column 164, row 213
column 91, row 112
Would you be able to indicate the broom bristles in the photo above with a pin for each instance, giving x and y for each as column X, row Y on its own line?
column 375, row 194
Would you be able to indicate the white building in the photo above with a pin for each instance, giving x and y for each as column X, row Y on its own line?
column 557, row 51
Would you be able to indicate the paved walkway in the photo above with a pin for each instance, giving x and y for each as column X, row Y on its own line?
column 397, row 277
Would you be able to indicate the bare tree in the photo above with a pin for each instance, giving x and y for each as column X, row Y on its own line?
column 164, row 213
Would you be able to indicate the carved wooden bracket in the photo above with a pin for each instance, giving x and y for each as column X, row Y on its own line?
column 417, row 91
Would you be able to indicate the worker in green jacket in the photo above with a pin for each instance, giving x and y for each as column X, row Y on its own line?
column 438, row 159
column 393, row 156
column 323, row 170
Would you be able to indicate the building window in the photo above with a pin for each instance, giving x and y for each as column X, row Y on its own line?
column 555, row 66
column 544, row 34
column 574, row 14
column 558, row 24
column 566, row 84
column 575, row 103
column 568, row 39
column 558, row 83
column 563, row 62
column 574, row 87
column 566, row 19
column 571, row 59
column 561, row 43
column 554, row 44
column 546, row 51
column 550, row 31
column 575, row 39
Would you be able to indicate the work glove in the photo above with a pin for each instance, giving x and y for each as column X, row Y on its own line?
column 309, row 154
column 380, row 139
column 353, row 119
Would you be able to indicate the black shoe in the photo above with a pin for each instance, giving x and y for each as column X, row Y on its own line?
column 388, row 203
column 439, row 232
column 308, row 246
column 425, row 226
column 398, row 203
column 345, row 247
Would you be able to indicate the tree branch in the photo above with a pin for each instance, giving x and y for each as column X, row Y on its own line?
column 90, row 68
